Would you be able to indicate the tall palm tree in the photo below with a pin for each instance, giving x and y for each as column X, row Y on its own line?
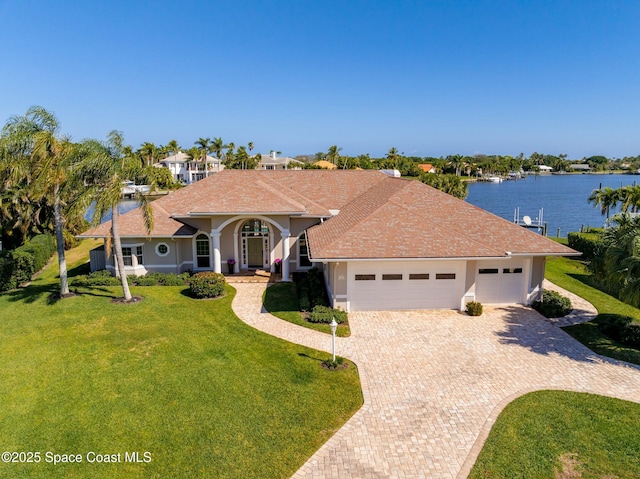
column 606, row 198
column 104, row 171
column 622, row 257
column 55, row 159
column 173, row 147
column 149, row 153
column 217, row 148
column 333, row 155
column 629, row 197
column 45, row 160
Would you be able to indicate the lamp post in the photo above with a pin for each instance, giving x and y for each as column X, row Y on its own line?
column 334, row 326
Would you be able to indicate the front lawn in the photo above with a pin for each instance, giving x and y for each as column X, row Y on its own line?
column 563, row 434
column 572, row 275
column 281, row 300
column 186, row 380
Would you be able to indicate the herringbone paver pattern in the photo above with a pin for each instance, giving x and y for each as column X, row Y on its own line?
column 434, row 382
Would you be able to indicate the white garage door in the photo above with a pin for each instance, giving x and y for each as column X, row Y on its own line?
column 500, row 282
column 405, row 285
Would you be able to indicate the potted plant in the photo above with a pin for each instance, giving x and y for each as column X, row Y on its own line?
column 230, row 264
column 277, row 265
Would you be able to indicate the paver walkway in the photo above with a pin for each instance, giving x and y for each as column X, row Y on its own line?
column 435, row 381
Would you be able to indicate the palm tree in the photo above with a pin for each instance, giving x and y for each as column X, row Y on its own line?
column 46, row 161
column 622, row 258
column 173, row 147
column 148, row 152
column 104, row 171
column 333, row 154
column 606, row 198
column 630, row 198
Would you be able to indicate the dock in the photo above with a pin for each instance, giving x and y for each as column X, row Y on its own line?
column 525, row 221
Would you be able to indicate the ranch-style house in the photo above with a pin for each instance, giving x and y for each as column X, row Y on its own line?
column 383, row 243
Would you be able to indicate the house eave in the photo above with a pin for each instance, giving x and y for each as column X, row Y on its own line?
column 436, row 258
column 199, row 214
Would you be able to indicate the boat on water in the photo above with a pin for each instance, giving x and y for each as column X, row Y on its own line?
column 130, row 189
column 494, row 179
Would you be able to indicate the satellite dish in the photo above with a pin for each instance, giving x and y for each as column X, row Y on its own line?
column 526, row 220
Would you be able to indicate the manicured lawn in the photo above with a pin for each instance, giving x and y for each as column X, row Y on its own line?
column 572, row 275
column 539, row 431
column 186, row 380
column 281, row 301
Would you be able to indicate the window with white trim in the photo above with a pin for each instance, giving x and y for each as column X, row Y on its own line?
column 303, row 252
column 128, row 253
column 162, row 249
column 202, row 251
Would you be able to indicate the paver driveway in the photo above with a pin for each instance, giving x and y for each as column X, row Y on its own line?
column 434, row 381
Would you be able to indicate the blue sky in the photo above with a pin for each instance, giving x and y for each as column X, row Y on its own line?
column 430, row 78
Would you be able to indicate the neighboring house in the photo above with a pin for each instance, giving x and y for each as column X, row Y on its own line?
column 580, row 167
column 383, row 243
column 544, row 168
column 188, row 170
column 427, row 167
column 273, row 162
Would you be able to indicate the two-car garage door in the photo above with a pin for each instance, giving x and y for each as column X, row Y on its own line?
column 405, row 285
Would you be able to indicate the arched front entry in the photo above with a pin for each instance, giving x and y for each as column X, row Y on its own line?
column 255, row 237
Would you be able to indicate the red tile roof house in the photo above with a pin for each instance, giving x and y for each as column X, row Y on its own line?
column 383, row 243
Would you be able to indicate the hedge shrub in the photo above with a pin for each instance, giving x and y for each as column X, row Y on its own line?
column 19, row 265
column 589, row 244
column 311, row 290
column 553, row 305
column 474, row 308
column 104, row 278
column 621, row 329
column 206, row 285
column 324, row 314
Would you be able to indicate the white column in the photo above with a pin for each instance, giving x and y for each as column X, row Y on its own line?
column 285, row 255
column 215, row 237
column 236, row 255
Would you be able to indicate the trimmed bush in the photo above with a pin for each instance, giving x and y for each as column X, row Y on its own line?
column 311, row 290
column 553, row 305
column 104, row 278
column 324, row 314
column 206, row 285
column 621, row 329
column 474, row 308
column 18, row 266
column 589, row 244
column 96, row 278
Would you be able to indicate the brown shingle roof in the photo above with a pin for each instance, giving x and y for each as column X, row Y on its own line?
column 407, row 219
column 379, row 216
column 132, row 225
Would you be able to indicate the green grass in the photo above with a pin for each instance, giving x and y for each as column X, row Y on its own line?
column 535, row 430
column 281, row 300
column 186, row 380
column 571, row 274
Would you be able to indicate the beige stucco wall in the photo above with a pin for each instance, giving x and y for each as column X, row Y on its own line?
column 469, row 284
column 537, row 277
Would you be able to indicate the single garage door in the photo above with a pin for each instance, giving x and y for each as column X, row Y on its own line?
column 387, row 286
column 500, row 282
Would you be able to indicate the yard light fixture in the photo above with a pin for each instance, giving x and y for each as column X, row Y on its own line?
column 334, row 327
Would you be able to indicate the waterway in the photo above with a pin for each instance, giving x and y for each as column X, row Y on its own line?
column 563, row 199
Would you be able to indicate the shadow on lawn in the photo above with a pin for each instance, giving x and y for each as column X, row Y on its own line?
column 35, row 292
column 526, row 328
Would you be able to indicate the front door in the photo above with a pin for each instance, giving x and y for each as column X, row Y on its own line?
column 255, row 257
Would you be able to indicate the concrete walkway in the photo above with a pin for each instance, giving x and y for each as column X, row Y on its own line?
column 435, row 381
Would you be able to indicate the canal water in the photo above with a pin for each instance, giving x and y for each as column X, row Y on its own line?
column 563, row 199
